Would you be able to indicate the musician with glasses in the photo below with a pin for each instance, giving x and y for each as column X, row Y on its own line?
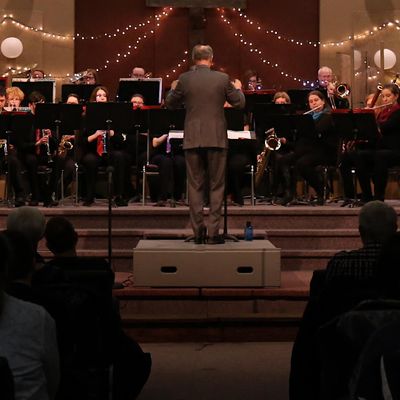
column 373, row 164
column 329, row 88
column 96, row 154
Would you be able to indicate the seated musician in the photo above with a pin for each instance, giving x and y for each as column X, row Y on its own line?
column 10, row 161
column 96, row 154
column 37, row 148
column 68, row 151
column 252, row 80
column 2, row 98
column 328, row 87
column 14, row 96
column 138, row 72
column 373, row 164
column 37, row 74
column 282, row 180
column 135, row 151
column 170, row 160
column 317, row 148
column 349, row 151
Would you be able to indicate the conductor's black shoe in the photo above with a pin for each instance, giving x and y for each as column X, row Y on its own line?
column 33, row 203
column 200, row 238
column 161, row 203
column 216, row 240
column 88, row 202
column 50, row 203
column 19, row 202
column 120, row 202
column 319, row 201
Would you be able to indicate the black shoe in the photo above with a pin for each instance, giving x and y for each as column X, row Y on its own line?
column 216, row 240
column 50, row 203
column 88, row 202
column 347, row 202
column 200, row 238
column 161, row 203
column 120, row 202
column 33, row 203
column 319, row 201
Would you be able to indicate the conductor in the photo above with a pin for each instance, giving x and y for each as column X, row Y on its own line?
column 204, row 92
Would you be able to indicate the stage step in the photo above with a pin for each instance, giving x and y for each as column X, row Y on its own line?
column 215, row 314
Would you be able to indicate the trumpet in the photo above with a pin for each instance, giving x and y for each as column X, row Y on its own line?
column 45, row 134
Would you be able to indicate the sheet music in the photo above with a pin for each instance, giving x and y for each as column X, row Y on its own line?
column 232, row 135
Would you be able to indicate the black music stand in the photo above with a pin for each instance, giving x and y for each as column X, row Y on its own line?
column 235, row 122
column 149, row 88
column 61, row 118
column 47, row 87
column 356, row 126
column 108, row 116
column 83, row 91
column 13, row 123
column 298, row 97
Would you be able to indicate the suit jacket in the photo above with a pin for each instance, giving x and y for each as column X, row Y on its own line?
column 204, row 92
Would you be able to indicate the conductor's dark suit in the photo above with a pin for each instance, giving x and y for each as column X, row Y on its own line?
column 203, row 93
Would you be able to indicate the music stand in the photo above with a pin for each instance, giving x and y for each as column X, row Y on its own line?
column 298, row 97
column 149, row 88
column 107, row 116
column 235, row 122
column 12, row 125
column 358, row 126
column 83, row 91
column 47, row 87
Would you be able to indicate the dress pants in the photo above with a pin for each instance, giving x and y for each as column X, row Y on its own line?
column 197, row 161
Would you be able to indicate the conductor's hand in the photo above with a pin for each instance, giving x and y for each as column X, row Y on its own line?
column 237, row 84
column 174, row 84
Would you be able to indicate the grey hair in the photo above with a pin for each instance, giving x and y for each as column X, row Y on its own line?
column 202, row 52
column 28, row 220
column 325, row 68
column 377, row 221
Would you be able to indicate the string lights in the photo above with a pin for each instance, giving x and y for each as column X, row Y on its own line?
column 394, row 24
column 179, row 65
column 248, row 45
column 107, row 35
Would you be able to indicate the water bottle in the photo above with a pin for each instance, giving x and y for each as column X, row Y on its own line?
column 248, row 231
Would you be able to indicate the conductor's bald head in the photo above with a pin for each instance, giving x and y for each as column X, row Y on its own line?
column 202, row 52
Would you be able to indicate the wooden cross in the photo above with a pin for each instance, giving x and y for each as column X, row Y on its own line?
column 197, row 13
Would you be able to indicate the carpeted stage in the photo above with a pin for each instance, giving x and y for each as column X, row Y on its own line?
column 307, row 236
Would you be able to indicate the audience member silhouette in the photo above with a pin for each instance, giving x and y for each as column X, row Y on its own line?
column 131, row 366
column 31, row 222
column 27, row 340
column 350, row 277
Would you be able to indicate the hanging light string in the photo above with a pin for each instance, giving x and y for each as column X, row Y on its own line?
column 178, row 66
column 281, row 36
column 251, row 48
column 133, row 46
column 107, row 35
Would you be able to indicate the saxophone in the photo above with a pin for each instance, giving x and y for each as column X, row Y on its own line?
column 272, row 143
column 65, row 145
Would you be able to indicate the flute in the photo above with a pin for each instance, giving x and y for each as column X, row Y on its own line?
column 312, row 110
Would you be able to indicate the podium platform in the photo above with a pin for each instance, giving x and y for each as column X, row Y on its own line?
column 175, row 263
